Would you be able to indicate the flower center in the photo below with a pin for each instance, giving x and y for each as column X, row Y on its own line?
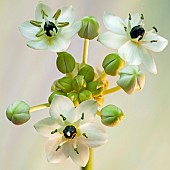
column 48, row 27
column 137, row 31
column 70, row 132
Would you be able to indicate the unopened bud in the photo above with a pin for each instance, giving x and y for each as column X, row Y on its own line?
column 58, row 92
column 111, row 115
column 96, row 87
column 90, row 28
column 74, row 98
column 131, row 79
column 18, row 112
column 85, row 95
column 79, row 83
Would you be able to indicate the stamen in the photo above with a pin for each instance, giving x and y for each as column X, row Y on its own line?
column 54, row 131
column 40, row 33
column 142, row 17
column 125, row 28
column 84, row 134
column 156, row 30
column 57, row 14
column 76, row 150
column 64, row 118
column 36, row 23
column 44, row 14
column 63, row 24
column 82, row 117
column 130, row 17
column 58, row 148
column 152, row 41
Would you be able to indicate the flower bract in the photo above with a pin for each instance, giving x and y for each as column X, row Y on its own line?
column 51, row 30
column 71, row 131
column 132, row 41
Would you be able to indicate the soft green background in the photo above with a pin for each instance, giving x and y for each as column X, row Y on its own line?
column 140, row 142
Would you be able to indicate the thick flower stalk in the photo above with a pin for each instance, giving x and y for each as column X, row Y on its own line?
column 132, row 41
column 50, row 30
column 71, row 131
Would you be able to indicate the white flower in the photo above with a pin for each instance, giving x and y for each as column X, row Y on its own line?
column 71, row 131
column 51, row 31
column 132, row 41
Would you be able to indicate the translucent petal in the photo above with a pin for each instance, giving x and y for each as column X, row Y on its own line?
column 45, row 126
column 114, row 24
column 112, row 40
column 96, row 134
column 45, row 8
column 67, row 15
column 154, row 42
column 62, row 105
column 70, row 31
column 82, row 158
column 54, row 156
column 149, row 62
column 58, row 44
column 131, row 52
column 39, row 44
column 28, row 30
column 89, row 108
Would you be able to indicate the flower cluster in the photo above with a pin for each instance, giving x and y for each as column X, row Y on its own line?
column 78, row 96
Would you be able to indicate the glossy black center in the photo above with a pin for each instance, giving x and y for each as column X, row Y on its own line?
column 49, row 26
column 137, row 31
column 70, row 132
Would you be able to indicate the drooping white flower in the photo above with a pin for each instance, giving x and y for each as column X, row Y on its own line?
column 131, row 40
column 71, row 131
column 50, row 31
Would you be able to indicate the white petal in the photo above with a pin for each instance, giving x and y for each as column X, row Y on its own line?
column 40, row 44
column 62, row 105
column 82, row 158
column 96, row 134
column 45, row 8
column 58, row 44
column 54, row 156
column 70, row 31
column 45, row 126
column 67, row 15
column 149, row 62
column 89, row 108
column 112, row 40
column 131, row 52
column 28, row 30
column 135, row 20
column 114, row 24
column 157, row 46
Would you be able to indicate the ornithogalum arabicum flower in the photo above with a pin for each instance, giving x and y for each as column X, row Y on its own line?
column 50, row 30
column 131, row 40
column 71, row 131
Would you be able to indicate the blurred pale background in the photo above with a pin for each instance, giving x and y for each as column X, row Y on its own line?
column 140, row 142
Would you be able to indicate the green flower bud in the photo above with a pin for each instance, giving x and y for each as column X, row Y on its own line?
column 95, row 87
column 88, row 72
column 131, row 79
column 74, row 98
column 18, row 112
column 111, row 115
column 112, row 64
column 79, row 83
column 64, row 84
column 65, row 62
column 58, row 92
column 85, row 95
column 90, row 28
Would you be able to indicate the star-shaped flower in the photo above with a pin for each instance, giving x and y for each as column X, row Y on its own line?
column 131, row 40
column 71, row 131
column 51, row 31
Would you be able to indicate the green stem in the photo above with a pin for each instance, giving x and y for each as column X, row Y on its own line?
column 39, row 107
column 112, row 90
column 85, row 52
column 89, row 165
